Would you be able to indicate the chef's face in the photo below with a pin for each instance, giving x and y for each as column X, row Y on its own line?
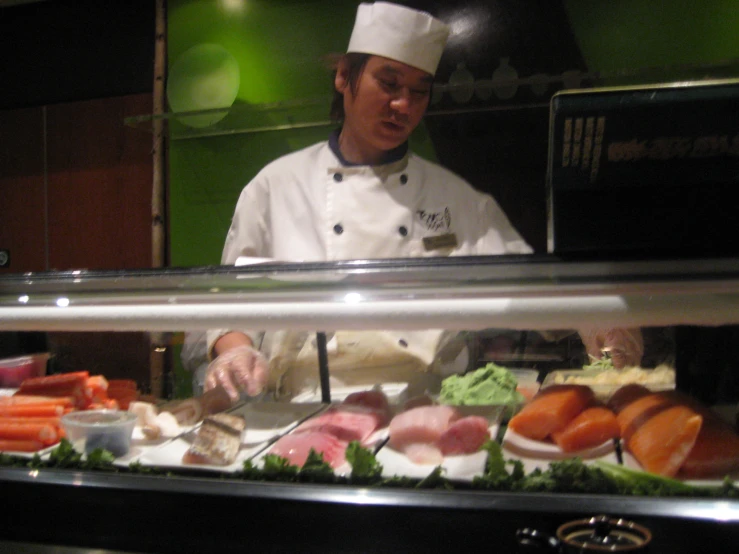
column 383, row 109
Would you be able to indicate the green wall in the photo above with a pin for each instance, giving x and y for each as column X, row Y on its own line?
column 626, row 35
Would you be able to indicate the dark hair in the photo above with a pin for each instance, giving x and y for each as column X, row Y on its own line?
column 355, row 63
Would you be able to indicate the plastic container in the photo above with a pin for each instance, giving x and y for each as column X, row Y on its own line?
column 528, row 381
column 605, row 382
column 13, row 371
column 108, row 429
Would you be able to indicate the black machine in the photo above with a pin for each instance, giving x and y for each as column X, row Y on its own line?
column 648, row 171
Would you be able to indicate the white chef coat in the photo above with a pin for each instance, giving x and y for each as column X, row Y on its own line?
column 311, row 205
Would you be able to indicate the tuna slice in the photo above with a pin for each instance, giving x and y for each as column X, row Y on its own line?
column 551, row 410
column 296, row 447
column 591, row 428
column 424, row 424
column 464, row 436
column 346, row 423
column 373, row 399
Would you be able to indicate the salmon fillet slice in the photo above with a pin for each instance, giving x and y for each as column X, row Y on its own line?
column 662, row 443
column 592, row 427
column 551, row 410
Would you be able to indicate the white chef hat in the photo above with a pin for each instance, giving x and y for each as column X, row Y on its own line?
column 402, row 34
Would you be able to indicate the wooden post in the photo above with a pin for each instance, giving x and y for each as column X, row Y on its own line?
column 158, row 346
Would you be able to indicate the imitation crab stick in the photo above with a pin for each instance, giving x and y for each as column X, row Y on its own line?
column 53, row 381
column 32, row 410
column 591, row 427
column 55, row 421
column 27, row 400
column 44, row 433
column 122, row 384
column 80, row 394
column 20, row 445
column 551, row 410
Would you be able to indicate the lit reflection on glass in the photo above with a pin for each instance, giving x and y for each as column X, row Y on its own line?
column 726, row 512
column 24, row 299
column 62, row 302
column 353, row 298
column 33, row 473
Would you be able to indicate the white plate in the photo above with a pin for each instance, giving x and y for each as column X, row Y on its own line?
column 141, row 445
column 456, row 468
column 539, row 454
column 44, row 452
column 264, row 423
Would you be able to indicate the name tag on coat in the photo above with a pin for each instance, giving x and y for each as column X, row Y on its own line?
column 448, row 240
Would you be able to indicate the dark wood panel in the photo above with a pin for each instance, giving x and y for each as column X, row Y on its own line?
column 114, row 355
column 100, row 175
column 22, row 202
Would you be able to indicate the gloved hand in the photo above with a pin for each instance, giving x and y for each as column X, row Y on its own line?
column 626, row 346
column 242, row 368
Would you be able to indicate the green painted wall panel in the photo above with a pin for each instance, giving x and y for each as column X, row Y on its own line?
column 620, row 35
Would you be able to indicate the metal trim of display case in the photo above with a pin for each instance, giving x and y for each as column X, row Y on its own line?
column 467, row 293
column 708, row 509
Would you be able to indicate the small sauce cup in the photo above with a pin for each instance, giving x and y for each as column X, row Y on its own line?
column 108, row 429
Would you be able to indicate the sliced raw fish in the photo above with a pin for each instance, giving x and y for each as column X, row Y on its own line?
column 373, row 399
column 295, row 447
column 591, row 427
column 626, row 395
column 662, row 443
column 418, row 401
column 715, row 452
column 551, row 410
column 424, row 424
column 345, row 422
column 423, row 453
column 634, row 414
column 464, row 436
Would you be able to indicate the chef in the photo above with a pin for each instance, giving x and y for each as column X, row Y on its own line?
column 361, row 194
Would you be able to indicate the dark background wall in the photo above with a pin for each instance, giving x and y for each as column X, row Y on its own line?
column 75, row 182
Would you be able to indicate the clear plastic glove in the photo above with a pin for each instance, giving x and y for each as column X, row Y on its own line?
column 239, row 369
column 625, row 346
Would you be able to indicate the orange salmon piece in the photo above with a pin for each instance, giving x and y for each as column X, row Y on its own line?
column 551, row 410
column 663, row 442
column 633, row 415
column 626, row 395
column 592, row 427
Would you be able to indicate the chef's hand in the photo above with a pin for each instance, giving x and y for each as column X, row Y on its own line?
column 626, row 346
column 238, row 368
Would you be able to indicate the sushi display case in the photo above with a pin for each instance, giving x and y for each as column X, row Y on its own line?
column 165, row 507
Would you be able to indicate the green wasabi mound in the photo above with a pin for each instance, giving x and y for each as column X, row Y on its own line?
column 489, row 385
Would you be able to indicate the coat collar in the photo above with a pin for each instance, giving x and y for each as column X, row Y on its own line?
column 392, row 156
